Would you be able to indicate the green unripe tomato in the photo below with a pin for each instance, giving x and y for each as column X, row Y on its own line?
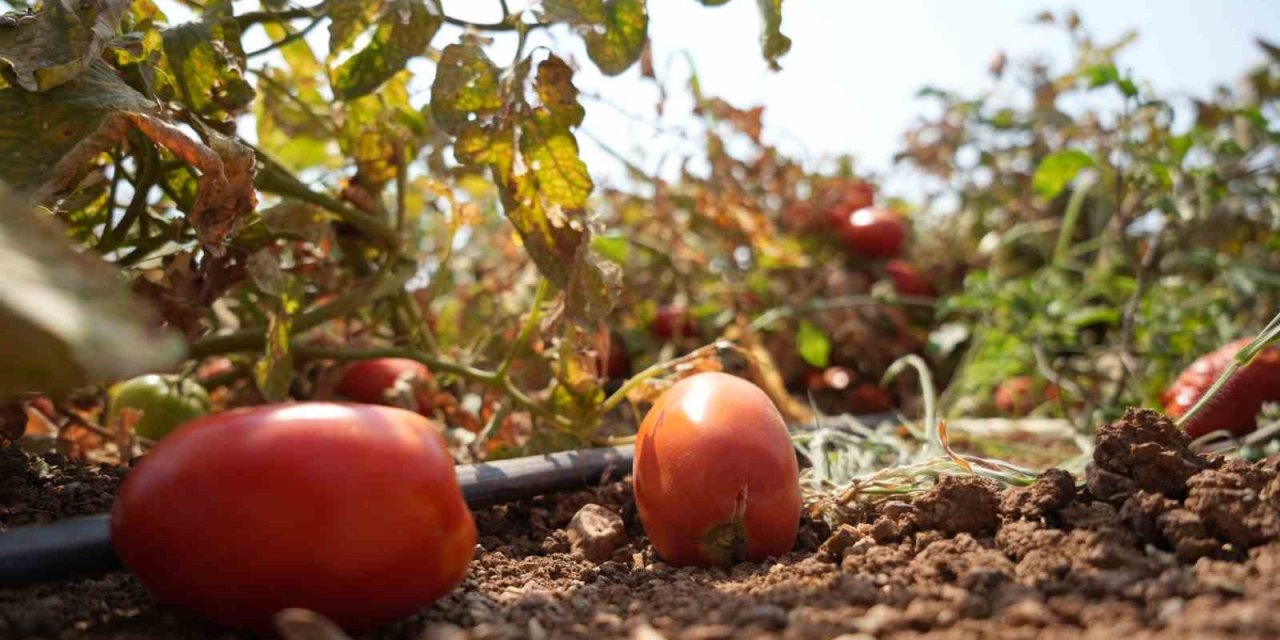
column 163, row 403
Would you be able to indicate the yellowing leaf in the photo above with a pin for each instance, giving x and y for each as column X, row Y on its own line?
column 55, row 44
column 621, row 41
column 466, row 87
column 404, row 31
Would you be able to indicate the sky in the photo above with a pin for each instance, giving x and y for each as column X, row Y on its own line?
column 849, row 83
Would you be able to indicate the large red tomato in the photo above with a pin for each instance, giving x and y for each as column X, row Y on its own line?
column 352, row 511
column 1236, row 406
column 374, row 381
column 843, row 197
column 874, row 233
column 716, row 479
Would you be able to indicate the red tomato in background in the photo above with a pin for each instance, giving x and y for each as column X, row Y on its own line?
column 868, row 398
column 716, row 478
column 374, row 381
column 670, row 320
column 844, row 197
column 907, row 280
column 874, row 233
column 1236, row 406
column 352, row 511
column 616, row 363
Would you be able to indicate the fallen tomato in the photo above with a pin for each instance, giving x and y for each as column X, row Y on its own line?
column 907, row 280
column 1236, row 406
column 379, row 381
column 352, row 511
column 874, row 233
column 715, row 474
column 155, row 405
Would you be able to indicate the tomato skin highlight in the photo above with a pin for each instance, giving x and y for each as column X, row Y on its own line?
column 1235, row 408
column 352, row 511
column 371, row 381
column 716, row 478
column 874, row 233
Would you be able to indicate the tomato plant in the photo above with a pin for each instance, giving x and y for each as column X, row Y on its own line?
column 352, row 511
column 155, row 405
column 715, row 474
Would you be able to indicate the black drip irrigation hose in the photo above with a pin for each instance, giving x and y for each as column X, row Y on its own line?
column 82, row 546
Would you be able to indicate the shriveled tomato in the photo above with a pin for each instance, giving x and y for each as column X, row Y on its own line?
column 1236, row 406
column 376, row 382
column 672, row 320
column 874, row 233
column 907, row 280
column 349, row 510
column 715, row 474
column 155, row 404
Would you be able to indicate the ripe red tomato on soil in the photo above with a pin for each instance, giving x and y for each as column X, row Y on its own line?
column 907, row 280
column 374, row 381
column 670, row 320
column 716, row 478
column 874, row 233
column 352, row 511
column 1234, row 408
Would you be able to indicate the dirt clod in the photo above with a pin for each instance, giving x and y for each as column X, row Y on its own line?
column 960, row 504
column 1142, row 450
column 1053, row 490
column 595, row 532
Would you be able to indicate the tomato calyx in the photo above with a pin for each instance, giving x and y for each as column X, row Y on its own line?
column 726, row 543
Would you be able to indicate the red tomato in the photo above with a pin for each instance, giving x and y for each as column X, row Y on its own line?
column 352, row 511
column 374, row 381
column 1016, row 396
column 716, row 479
column 616, row 364
column 907, row 280
column 1236, row 406
column 846, row 196
column 670, row 320
column 868, row 398
column 874, row 233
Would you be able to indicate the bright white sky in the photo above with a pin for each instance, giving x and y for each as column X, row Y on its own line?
column 849, row 83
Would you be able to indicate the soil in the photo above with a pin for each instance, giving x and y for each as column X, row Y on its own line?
column 1162, row 542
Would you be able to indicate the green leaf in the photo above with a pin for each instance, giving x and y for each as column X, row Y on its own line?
column 50, row 47
column 772, row 42
column 206, row 68
column 559, row 97
column 465, row 88
column 1058, row 170
column 813, row 345
column 574, row 11
column 616, row 248
column 551, row 152
column 617, row 42
column 67, row 319
column 347, row 20
column 404, row 31
column 273, row 373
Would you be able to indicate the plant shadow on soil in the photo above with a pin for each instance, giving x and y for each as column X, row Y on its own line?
column 1161, row 543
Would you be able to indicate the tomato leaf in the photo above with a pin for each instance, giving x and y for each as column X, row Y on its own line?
column 772, row 42
column 1058, row 170
column 465, row 88
column 274, row 371
column 405, row 28
column 54, row 45
column 615, row 31
column 813, row 345
column 206, row 68
column 348, row 19
column 559, row 97
column 68, row 318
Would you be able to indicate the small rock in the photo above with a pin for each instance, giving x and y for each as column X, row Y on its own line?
column 843, row 538
column 769, row 616
column 594, row 533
